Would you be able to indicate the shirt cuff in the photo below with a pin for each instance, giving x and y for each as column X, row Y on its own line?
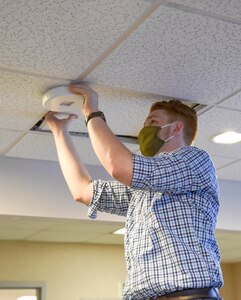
column 94, row 204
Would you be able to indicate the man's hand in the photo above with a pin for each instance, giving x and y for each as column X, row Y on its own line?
column 90, row 103
column 56, row 125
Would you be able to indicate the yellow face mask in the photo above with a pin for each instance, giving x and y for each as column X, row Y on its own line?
column 149, row 140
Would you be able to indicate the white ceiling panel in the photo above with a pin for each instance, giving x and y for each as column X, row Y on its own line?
column 221, row 161
column 7, row 137
column 38, row 145
column 85, row 226
column 231, row 172
column 125, row 111
column 15, row 234
column 231, row 8
column 179, row 54
column 233, row 102
column 94, row 232
column 230, row 244
column 59, row 37
column 21, row 99
column 62, row 236
column 113, row 239
column 23, row 223
column 213, row 122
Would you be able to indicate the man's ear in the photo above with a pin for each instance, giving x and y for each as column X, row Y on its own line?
column 178, row 128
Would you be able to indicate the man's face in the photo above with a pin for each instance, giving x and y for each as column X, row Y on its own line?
column 156, row 118
column 159, row 118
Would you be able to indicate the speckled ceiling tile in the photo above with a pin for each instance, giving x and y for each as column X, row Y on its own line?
column 231, row 172
column 233, row 102
column 41, row 146
column 216, row 121
column 21, row 99
column 125, row 112
column 7, row 137
column 221, row 161
column 227, row 8
column 60, row 37
column 176, row 53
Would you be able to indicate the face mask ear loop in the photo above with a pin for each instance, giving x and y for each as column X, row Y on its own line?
column 168, row 124
column 169, row 138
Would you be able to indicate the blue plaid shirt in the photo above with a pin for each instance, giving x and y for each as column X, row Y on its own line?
column 171, row 211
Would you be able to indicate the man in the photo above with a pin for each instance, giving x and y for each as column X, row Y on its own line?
column 169, row 196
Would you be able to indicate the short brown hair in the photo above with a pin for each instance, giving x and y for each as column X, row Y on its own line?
column 177, row 110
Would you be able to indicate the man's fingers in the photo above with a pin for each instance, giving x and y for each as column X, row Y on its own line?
column 77, row 88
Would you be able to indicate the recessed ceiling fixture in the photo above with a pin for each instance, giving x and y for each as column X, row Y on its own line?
column 229, row 137
column 120, row 231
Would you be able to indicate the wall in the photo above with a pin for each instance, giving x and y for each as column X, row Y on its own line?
column 71, row 271
column 75, row 271
column 237, row 280
column 37, row 188
column 228, row 292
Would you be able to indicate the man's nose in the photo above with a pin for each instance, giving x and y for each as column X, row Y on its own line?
column 149, row 122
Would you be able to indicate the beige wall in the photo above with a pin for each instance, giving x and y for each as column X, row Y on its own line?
column 71, row 271
column 74, row 271
column 227, row 292
column 232, row 281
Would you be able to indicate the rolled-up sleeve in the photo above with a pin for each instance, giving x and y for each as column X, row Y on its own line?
column 110, row 197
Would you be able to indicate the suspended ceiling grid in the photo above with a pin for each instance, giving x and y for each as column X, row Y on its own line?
column 133, row 53
column 35, row 229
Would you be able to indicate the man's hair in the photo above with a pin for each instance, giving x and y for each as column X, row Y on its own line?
column 177, row 111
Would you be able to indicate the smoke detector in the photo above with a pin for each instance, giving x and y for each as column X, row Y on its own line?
column 62, row 101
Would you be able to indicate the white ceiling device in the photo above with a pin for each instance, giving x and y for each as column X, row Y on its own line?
column 61, row 100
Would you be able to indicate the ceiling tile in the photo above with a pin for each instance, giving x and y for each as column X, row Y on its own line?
column 21, row 99
column 59, row 37
column 226, row 235
column 24, row 223
column 14, row 234
column 36, row 145
column 108, row 239
column 233, row 102
column 231, row 172
column 213, row 122
column 220, row 161
column 7, row 137
column 230, row 8
column 61, row 236
column 88, row 226
column 178, row 54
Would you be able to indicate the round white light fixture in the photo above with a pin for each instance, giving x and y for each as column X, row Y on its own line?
column 229, row 137
column 61, row 100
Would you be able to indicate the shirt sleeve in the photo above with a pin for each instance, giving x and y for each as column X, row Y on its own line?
column 181, row 171
column 109, row 196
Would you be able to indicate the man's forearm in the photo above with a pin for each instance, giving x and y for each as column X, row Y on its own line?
column 113, row 155
column 75, row 174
